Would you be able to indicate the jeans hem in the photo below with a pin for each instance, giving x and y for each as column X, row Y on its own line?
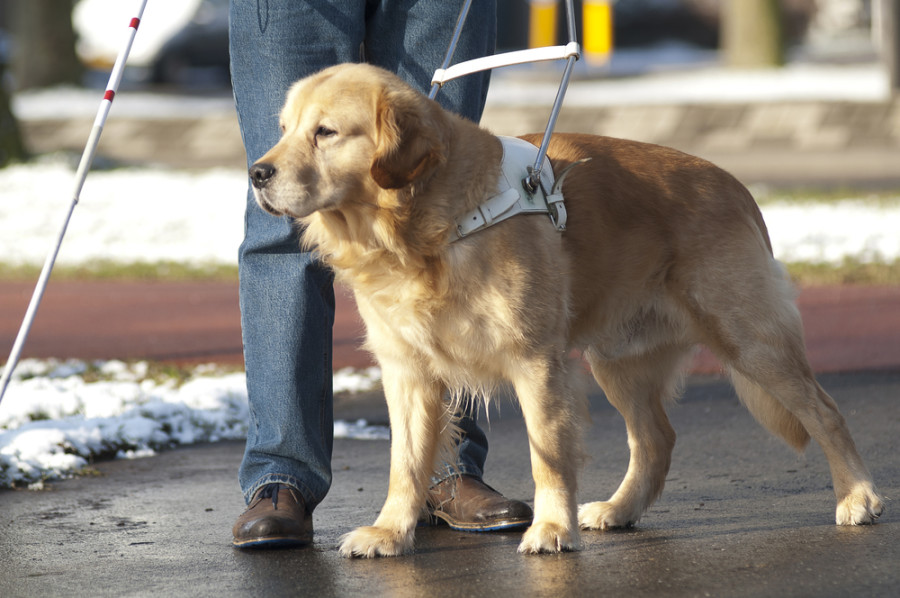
column 453, row 471
column 286, row 480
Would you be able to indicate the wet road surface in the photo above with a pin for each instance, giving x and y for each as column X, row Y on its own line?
column 741, row 515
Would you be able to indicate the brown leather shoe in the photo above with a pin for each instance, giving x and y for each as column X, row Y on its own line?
column 276, row 517
column 466, row 503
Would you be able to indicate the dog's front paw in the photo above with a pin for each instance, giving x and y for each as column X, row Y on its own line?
column 549, row 538
column 369, row 542
column 604, row 515
column 860, row 507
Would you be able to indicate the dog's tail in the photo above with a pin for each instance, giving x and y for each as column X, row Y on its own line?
column 766, row 408
column 769, row 412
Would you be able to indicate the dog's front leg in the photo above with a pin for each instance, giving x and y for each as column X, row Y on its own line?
column 551, row 411
column 417, row 415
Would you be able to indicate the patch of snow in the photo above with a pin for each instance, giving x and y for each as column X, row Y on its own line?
column 124, row 215
column 830, row 233
column 159, row 214
column 53, row 422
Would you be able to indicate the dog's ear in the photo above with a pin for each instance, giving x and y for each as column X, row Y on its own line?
column 409, row 143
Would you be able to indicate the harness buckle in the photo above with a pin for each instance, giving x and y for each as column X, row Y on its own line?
column 556, row 209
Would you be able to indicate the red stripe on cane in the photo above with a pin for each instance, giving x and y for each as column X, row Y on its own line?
column 134, row 23
column 109, row 95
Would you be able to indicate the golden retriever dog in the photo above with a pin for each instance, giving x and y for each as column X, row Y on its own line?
column 662, row 251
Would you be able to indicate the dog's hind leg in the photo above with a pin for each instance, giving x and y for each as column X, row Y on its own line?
column 764, row 351
column 419, row 418
column 810, row 408
column 638, row 387
column 554, row 416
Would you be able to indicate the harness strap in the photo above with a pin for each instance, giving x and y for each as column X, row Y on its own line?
column 512, row 197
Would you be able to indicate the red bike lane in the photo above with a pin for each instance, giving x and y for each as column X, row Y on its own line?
column 848, row 328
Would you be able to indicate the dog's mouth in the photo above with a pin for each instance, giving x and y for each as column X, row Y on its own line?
column 265, row 205
column 277, row 204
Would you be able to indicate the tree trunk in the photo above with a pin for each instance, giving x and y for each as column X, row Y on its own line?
column 889, row 21
column 44, row 51
column 12, row 149
column 752, row 33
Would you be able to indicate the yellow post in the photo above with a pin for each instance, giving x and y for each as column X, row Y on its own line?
column 542, row 23
column 598, row 31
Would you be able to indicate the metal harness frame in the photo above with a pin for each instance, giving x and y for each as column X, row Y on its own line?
column 571, row 52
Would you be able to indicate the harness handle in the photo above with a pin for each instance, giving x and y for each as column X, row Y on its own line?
column 570, row 52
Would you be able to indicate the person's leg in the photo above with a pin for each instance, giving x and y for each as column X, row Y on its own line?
column 286, row 297
column 411, row 37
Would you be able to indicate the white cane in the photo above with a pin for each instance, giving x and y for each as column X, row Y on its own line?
column 87, row 159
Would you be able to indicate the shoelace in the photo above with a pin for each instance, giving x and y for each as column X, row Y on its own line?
column 271, row 491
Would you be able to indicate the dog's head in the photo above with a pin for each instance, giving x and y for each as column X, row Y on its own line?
column 348, row 133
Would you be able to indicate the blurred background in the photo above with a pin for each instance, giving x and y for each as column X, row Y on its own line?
column 185, row 42
column 181, row 48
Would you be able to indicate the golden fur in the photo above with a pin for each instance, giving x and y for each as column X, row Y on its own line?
column 663, row 251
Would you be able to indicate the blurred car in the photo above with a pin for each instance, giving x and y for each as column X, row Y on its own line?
column 180, row 42
column 199, row 51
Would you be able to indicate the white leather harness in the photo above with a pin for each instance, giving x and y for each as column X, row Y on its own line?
column 513, row 196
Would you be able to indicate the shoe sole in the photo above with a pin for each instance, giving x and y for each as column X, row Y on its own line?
column 480, row 527
column 272, row 542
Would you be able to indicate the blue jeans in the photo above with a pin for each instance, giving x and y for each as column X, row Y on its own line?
column 286, row 296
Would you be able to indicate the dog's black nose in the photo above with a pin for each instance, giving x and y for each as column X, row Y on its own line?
column 261, row 173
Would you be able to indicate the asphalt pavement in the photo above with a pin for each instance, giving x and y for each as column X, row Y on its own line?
column 741, row 515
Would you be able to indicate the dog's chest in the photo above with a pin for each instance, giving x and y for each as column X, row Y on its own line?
column 450, row 338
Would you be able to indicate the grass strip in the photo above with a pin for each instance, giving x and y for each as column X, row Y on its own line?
column 133, row 271
column 883, row 198
column 849, row 272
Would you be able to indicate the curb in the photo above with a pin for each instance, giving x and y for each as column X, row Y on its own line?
column 803, row 141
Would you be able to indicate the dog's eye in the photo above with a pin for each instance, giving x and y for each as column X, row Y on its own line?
column 323, row 131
